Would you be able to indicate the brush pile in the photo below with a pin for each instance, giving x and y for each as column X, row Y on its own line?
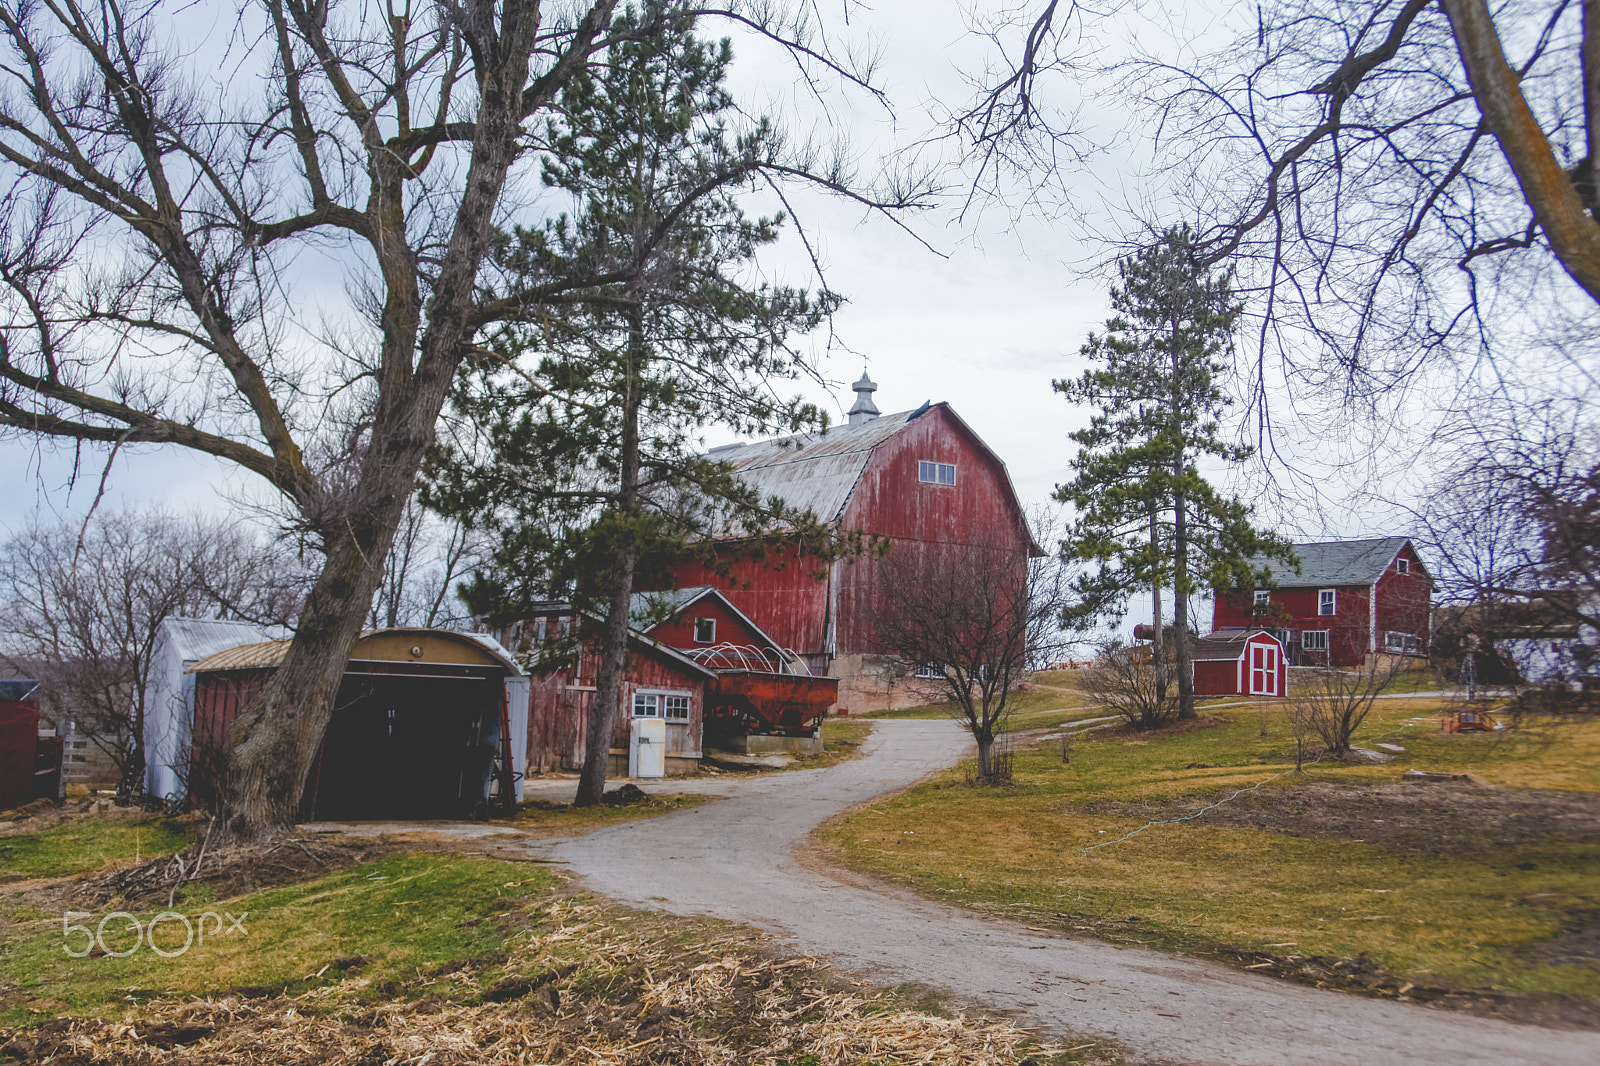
column 230, row 870
column 580, row 986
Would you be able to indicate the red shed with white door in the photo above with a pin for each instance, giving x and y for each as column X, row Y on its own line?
column 1240, row 663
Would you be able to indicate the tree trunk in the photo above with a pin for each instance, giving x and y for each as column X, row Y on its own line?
column 1160, row 651
column 605, row 710
column 1180, row 604
column 985, row 741
column 282, row 728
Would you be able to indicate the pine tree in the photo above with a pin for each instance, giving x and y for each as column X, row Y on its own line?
column 1144, row 512
column 581, row 449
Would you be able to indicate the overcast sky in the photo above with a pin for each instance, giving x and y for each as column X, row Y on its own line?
column 986, row 324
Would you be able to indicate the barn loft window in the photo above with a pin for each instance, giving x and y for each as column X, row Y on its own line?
column 1263, row 597
column 936, row 473
column 705, row 630
column 1314, row 640
column 1328, row 601
column 1402, row 566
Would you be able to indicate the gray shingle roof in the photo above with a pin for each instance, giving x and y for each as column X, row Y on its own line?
column 1337, row 562
column 649, row 609
column 17, row 688
column 814, row 472
column 1224, row 645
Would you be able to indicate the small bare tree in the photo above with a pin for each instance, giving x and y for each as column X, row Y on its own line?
column 1126, row 682
column 84, row 605
column 1328, row 704
column 967, row 624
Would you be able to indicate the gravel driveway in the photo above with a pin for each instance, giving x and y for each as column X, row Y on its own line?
column 740, row 859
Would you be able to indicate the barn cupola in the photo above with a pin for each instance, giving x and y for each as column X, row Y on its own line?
column 864, row 410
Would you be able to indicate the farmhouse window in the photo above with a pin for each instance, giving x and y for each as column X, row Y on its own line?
column 673, row 706
column 1327, row 601
column 1263, row 597
column 1314, row 640
column 1402, row 566
column 936, row 473
column 705, row 630
column 929, row 670
column 1401, row 643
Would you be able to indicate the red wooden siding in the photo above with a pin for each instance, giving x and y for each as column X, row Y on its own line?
column 781, row 593
column 1233, row 677
column 19, row 737
column 1216, row 677
column 559, row 707
column 938, row 522
column 1405, row 601
column 979, row 511
column 678, row 631
column 1348, row 627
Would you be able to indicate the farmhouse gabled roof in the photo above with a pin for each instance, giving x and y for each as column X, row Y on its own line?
column 17, row 688
column 1337, row 562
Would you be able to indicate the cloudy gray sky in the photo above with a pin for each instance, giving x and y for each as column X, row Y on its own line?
column 984, row 324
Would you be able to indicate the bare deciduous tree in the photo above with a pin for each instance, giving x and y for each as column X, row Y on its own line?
column 429, row 557
column 1393, row 179
column 176, row 190
column 1125, row 681
column 1515, row 532
column 966, row 625
column 84, row 606
column 1329, row 704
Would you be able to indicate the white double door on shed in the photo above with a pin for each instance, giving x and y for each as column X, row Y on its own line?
column 1261, row 670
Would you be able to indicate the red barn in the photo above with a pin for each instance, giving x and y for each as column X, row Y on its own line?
column 1239, row 662
column 1351, row 598
column 694, row 659
column 921, row 479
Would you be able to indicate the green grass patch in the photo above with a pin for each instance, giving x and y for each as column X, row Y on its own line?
column 1472, row 921
column 405, row 915
column 87, row 845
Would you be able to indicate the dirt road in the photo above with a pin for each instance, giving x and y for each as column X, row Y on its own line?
column 737, row 860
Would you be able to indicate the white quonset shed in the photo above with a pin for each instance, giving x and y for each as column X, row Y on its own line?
column 169, row 692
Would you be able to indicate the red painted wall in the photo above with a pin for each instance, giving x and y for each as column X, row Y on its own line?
column 781, row 594
column 19, row 736
column 1297, row 609
column 978, row 511
column 678, row 631
column 1216, row 677
column 1405, row 601
column 559, row 706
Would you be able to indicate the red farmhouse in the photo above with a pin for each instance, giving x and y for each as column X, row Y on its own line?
column 695, row 661
column 1239, row 662
column 1351, row 598
column 922, row 479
